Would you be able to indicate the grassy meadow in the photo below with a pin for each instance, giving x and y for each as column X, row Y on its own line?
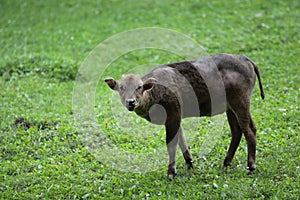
column 44, row 43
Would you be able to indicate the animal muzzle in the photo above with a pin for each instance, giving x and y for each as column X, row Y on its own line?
column 130, row 104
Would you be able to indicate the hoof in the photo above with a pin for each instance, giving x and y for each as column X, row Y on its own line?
column 171, row 172
column 226, row 164
column 252, row 167
column 190, row 165
column 227, row 167
column 171, row 176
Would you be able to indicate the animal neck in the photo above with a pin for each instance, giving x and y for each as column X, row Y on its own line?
column 144, row 105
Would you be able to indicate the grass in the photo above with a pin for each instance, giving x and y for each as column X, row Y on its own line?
column 43, row 44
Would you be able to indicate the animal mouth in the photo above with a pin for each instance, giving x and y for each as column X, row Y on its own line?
column 131, row 107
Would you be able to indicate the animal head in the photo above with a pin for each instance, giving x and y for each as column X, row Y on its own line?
column 131, row 89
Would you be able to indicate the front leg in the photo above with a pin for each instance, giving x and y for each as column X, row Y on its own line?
column 172, row 138
column 185, row 149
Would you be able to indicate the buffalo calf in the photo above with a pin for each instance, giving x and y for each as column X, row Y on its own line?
column 203, row 87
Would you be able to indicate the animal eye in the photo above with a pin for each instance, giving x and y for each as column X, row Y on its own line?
column 122, row 87
column 138, row 88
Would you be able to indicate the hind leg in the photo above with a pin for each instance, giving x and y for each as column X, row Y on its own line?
column 252, row 125
column 252, row 146
column 236, row 135
column 249, row 129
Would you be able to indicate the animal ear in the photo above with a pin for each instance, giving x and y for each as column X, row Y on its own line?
column 112, row 83
column 149, row 83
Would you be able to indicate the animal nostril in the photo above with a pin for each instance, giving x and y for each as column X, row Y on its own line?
column 130, row 101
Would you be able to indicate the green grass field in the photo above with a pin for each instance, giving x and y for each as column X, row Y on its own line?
column 43, row 44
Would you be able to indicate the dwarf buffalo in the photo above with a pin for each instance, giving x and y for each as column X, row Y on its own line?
column 203, row 87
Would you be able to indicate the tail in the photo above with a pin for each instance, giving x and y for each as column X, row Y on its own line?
column 262, row 93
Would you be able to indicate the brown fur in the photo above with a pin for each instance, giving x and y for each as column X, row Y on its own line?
column 185, row 89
